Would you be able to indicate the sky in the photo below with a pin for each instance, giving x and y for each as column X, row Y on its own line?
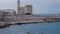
column 39, row 6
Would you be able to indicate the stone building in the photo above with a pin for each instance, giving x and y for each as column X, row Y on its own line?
column 6, row 13
column 9, row 12
column 27, row 10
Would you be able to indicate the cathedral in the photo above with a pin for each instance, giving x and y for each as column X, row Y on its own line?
column 26, row 10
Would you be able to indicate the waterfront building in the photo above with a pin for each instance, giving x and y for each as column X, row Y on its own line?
column 9, row 12
column 6, row 13
column 27, row 10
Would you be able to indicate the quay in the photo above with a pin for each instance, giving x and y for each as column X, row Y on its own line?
column 27, row 20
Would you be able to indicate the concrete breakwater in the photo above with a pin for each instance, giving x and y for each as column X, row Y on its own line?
column 28, row 20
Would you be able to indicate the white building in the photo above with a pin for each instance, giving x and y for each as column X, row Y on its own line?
column 7, row 13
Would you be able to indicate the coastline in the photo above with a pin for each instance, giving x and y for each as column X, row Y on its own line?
column 29, row 20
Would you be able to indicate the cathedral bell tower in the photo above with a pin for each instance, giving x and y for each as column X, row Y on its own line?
column 18, row 6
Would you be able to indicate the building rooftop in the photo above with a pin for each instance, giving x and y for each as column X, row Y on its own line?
column 8, row 10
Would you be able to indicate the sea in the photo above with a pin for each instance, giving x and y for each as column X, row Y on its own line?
column 45, row 28
column 37, row 28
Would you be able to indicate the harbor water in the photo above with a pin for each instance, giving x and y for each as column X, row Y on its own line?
column 50, row 28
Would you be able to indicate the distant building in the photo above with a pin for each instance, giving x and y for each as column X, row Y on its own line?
column 6, row 12
column 27, row 10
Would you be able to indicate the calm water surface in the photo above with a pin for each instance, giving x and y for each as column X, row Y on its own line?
column 52, row 27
